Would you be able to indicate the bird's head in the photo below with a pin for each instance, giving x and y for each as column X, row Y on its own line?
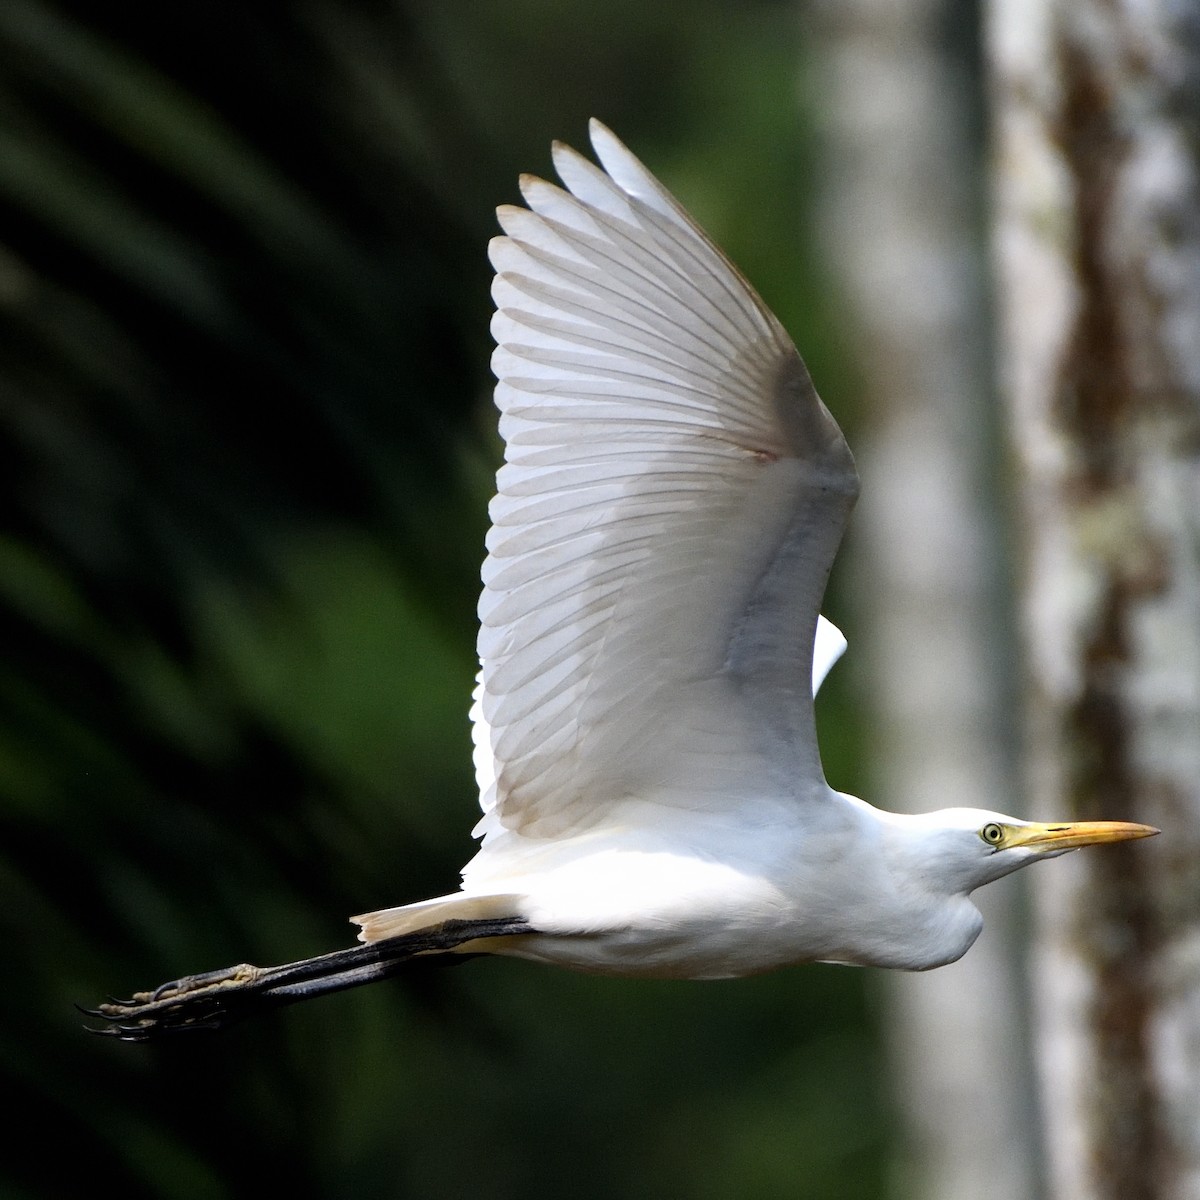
column 968, row 847
column 932, row 862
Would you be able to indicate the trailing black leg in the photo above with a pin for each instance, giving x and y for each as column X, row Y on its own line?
column 215, row 1000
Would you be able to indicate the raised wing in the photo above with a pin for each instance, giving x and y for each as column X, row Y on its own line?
column 672, row 498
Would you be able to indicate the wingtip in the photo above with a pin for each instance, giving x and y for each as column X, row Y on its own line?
column 530, row 185
column 602, row 136
column 563, row 153
column 597, row 127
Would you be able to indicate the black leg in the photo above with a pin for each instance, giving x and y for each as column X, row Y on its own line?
column 217, row 999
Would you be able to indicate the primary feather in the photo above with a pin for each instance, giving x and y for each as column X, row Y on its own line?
column 671, row 501
column 672, row 497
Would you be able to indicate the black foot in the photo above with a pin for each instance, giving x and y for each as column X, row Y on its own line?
column 214, row 1000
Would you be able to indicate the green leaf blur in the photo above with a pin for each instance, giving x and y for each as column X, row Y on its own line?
column 246, row 446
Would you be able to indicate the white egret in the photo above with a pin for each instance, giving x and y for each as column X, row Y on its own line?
column 672, row 499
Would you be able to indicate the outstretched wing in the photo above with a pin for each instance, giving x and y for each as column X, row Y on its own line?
column 672, row 498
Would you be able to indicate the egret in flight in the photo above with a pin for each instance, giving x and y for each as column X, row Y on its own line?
column 671, row 501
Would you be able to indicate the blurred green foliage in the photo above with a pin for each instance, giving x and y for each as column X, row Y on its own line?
column 246, row 445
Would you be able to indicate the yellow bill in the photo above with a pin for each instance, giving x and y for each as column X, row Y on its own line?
column 1069, row 835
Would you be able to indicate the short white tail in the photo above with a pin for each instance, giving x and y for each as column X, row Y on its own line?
column 395, row 922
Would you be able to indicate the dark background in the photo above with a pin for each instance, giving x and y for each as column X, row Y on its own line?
column 246, row 445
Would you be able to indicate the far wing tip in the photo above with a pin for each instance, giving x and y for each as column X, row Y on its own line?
column 829, row 645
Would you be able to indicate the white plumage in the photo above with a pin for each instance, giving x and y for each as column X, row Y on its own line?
column 671, row 502
column 672, row 498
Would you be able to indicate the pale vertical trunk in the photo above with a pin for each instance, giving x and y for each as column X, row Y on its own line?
column 1098, row 259
column 900, row 169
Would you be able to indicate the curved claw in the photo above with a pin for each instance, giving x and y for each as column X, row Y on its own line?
column 124, row 1033
column 195, row 1002
column 146, row 1031
column 141, row 1022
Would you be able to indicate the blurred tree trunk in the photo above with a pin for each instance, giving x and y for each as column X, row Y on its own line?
column 896, row 81
column 1098, row 249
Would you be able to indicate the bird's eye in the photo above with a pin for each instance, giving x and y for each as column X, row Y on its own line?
column 992, row 833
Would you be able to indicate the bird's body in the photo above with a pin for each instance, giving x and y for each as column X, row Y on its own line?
column 719, row 897
column 673, row 495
